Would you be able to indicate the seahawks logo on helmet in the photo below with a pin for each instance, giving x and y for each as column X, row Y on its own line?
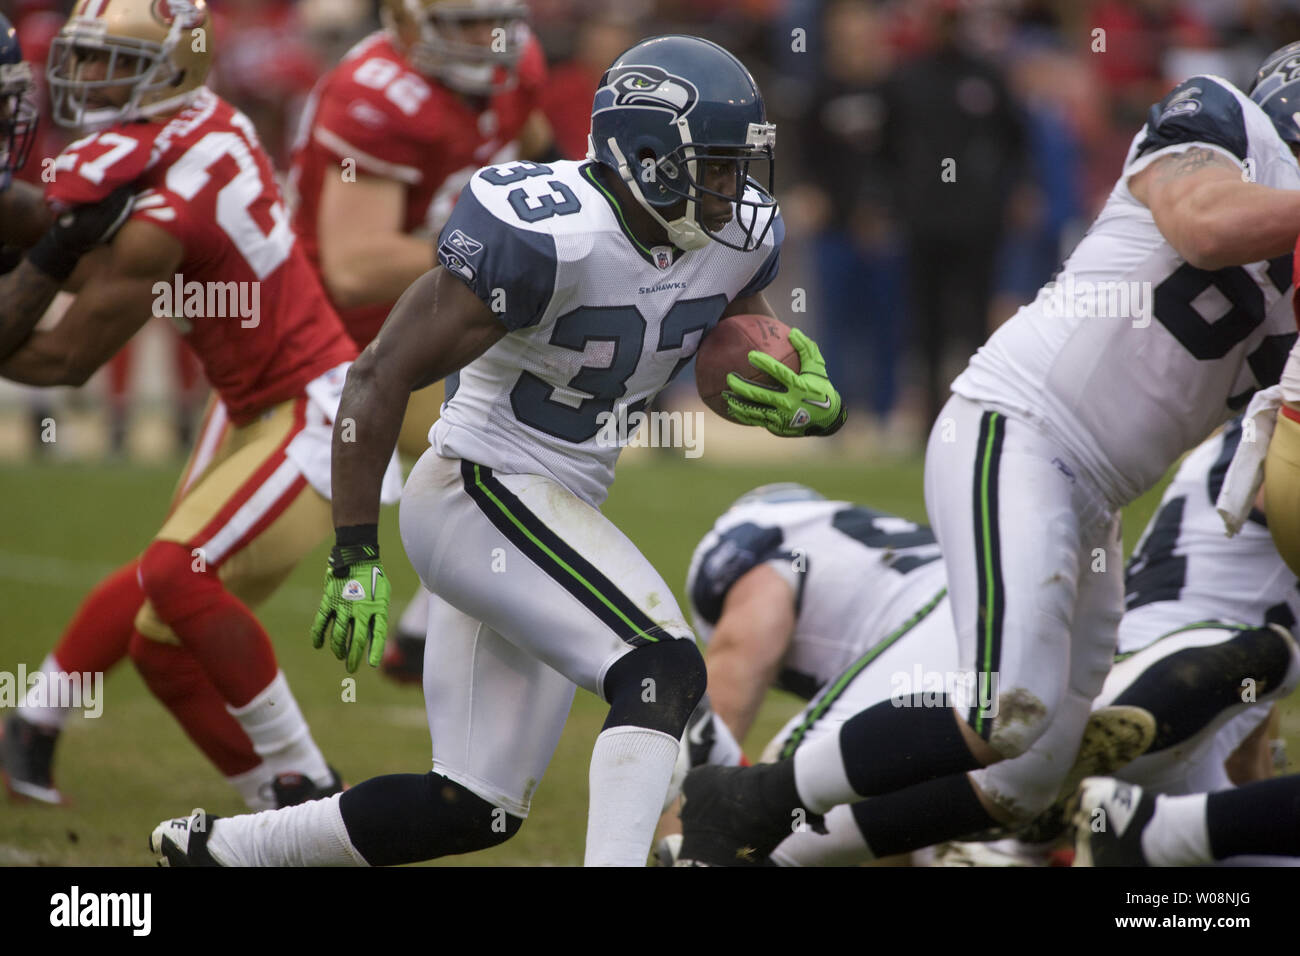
column 1288, row 69
column 646, row 87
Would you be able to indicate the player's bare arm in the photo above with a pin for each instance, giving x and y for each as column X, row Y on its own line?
column 755, row 304
column 438, row 326
column 365, row 255
column 27, row 290
column 24, row 217
column 112, row 306
column 752, row 636
column 536, row 139
column 1211, row 214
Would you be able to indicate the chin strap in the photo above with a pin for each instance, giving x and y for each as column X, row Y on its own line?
column 684, row 233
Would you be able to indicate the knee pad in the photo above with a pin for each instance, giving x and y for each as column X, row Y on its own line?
column 1188, row 689
column 408, row 818
column 656, row 687
column 174, row 582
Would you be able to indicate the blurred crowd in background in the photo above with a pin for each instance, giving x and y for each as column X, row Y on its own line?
column 936, row 158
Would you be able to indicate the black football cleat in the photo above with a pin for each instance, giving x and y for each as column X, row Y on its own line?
column 291, row 789
column 403, row 661
column 736, row 816
column 27, row 757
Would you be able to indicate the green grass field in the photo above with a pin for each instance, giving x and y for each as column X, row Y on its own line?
column 65, row 526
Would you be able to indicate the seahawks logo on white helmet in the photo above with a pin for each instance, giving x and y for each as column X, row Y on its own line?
column 646, row 87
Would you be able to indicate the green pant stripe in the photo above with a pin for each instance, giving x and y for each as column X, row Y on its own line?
column 837, row 687
column 541, row 545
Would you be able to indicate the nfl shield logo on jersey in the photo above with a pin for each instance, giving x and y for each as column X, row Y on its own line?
column 663, row 256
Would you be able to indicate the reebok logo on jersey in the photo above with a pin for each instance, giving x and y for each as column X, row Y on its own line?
column 463, row 243
column 353, row 591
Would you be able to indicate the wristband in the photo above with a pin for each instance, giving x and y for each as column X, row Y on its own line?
column 53, row 259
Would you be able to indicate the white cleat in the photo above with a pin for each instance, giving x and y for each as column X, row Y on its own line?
column 183, row 841
column 1109, row 816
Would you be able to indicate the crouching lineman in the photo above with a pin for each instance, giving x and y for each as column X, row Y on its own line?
column 535, row 313
column 253, row 498
column 1204, row 650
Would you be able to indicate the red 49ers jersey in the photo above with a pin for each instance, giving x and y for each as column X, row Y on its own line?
column 375, row 110
column 249, row 303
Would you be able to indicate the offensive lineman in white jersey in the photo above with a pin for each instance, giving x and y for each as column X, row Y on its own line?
column 1064, row 416
column 563, row 292
column 846, row 607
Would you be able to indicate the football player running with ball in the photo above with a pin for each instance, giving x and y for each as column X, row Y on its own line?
column 564, row 291
column 390, row 137
column 1072, row 409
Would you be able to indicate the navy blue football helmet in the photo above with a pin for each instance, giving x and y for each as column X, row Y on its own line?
column 664, row 109
column 1277, row 91
column 18, row 115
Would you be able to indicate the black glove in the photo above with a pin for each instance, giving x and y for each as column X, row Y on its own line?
column 78, row 230
column 10, row 256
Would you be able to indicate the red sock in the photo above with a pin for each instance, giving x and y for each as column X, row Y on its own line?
column 223, row 635
column 178, row 681
column 98, row 636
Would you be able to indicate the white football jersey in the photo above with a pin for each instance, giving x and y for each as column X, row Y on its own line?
column 598, row 323
column 859, row 576
column 1131, row 355
column 1185, row 569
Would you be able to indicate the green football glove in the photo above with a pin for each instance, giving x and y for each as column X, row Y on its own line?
column 806, row 403
column 354, row 610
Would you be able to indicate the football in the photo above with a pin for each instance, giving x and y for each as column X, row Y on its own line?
column 726, row 349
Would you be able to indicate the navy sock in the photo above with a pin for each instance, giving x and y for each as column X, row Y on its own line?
column 1259, row 818
column 409, row 817
column 1188, row 689
column 888, row 747
column 921, row 815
